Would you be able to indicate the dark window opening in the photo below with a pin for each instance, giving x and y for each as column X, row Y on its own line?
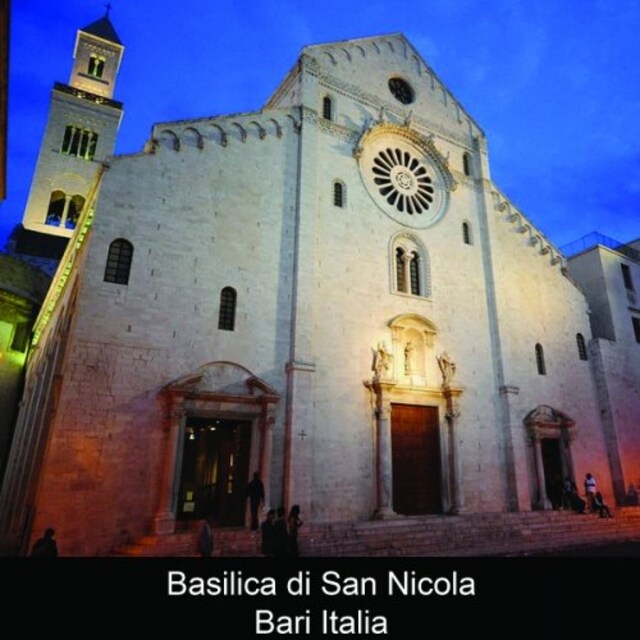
column 400, row 269
column 582, row 347
column 466, row 164
column 327, row 108
column 338, row 194
column 80, row 143
column 636, row 328
column 119, row 262
column 626, row 276
column 542, row 370
column 96, row 67
column 466, row 233
column 414, row 273
column 56, row 208
column 227, row 317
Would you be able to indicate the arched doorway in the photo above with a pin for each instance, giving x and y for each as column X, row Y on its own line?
column 219, row 433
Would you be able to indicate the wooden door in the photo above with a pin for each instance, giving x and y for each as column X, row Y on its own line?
column 415, row 441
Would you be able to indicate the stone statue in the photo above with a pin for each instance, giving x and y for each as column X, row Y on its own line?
column 381, row 360
column 448, row 368
column 408, row 351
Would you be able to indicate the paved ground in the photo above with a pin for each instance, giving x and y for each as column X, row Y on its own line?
column 629, row 549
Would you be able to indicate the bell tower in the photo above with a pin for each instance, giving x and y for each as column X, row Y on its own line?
column 81, row 131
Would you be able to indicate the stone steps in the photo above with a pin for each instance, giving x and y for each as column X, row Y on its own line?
column 461, row 535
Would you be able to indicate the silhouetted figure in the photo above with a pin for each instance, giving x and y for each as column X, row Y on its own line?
column 294, row 523
column 204, row 538
column 280, row 534
column 568, row 487
column 576, row 502
column 255, row 493
column 45, row 547
column 601, row 507
column 268, row 534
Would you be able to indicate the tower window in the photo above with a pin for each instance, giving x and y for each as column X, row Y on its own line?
column 119, row 262
column 96, row 66
column 78, row 142
column 626, row 276
column 542, row 369
column 64, row 210
column 227, row 317
column 338, row 194
column 466, row 233
column 582, row 347
column 466, row 164
column 327, row 108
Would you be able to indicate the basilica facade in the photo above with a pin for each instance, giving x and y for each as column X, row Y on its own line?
column 330, row 291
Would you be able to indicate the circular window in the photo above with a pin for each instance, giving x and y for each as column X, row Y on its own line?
column 401, row 90
column 404, row 180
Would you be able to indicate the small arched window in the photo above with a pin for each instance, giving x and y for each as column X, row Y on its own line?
column 327, row 108
column 409, row 266
column 338, row 194
column 119, row 262
column 542, row 369
column 582, row 347
column 466, row 164
column 56, row 207
column 466, row 233
column 227, row 317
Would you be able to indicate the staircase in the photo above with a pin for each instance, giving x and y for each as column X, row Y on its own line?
column 478, row 534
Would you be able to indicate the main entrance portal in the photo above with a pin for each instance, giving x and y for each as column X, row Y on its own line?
column 415, row 443
column 215, row 467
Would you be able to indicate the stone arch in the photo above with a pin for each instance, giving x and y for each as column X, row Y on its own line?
column 331, row 58
column 221, row 134
column 169, row 140
column 276, row 126
column 193, row 138
column 260, row 130
column 242, row 132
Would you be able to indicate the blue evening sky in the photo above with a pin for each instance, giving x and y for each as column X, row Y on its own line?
column 555, row 85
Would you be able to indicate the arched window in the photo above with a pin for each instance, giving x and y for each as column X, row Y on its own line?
column 409, row 265
column 55, row 210
column 338, row 194
column 582, row 347
column 96, row 66
column 327, row 108
column 414, row 273
column 79, row 142
column 466, row 164
column 542, row 370
column 119, row 262
column 73, row 212
column 466, row 233
column 227, row 317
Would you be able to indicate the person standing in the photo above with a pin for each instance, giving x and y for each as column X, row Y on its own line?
column 294, row 523
column 255, row 494
column 204, row 539
column 45, row 547
column 590, row 491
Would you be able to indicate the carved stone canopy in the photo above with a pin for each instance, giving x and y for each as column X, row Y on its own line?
column 222, row 379
column 546, row 422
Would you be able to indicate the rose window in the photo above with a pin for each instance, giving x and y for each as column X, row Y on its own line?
column 403, row 181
